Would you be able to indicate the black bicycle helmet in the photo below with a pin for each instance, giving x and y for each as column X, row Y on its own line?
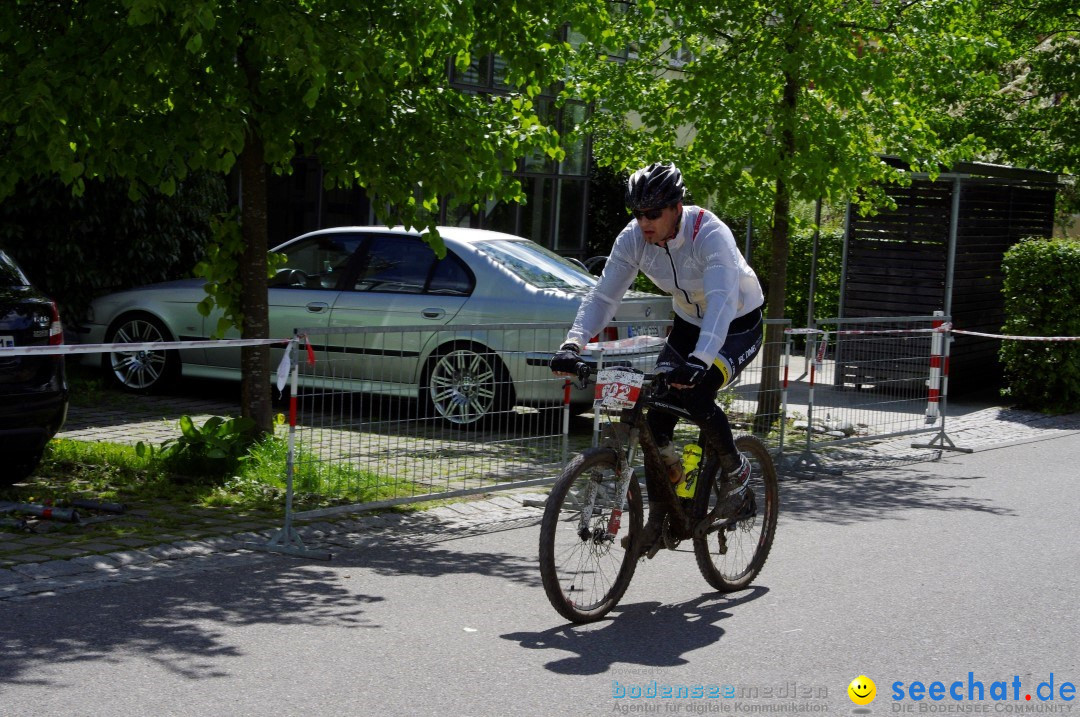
column 655, row 187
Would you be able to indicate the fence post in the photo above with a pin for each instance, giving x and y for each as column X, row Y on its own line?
column 934, row 384
column 784, row 393
column 807, row 462
column 566, row 421
column 596, row 414
column 941, row 441
column 287, row 540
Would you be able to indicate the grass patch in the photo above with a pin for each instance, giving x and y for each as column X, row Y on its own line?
column 118, row 473
column 316, row 484
column 106, row 472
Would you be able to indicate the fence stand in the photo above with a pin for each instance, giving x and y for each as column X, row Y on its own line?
column 287, row 540
column 806, row 462
column 784, row 397
column 940, row 343
column 596, row 413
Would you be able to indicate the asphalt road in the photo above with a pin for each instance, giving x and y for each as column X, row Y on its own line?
column 960, row 571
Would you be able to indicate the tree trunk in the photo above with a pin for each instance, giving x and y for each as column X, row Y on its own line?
column 254, row 360
column 768, row 408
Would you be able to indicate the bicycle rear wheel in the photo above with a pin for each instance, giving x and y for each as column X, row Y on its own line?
column 734, row 550
column 584, row 567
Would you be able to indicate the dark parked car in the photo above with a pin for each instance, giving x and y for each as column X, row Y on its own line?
column 33, row 389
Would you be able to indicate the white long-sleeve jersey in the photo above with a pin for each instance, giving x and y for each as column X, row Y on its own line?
column 701, row 267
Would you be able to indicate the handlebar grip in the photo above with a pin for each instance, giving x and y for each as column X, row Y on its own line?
column 583, row 371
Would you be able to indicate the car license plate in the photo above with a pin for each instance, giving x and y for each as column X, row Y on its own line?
column 7, row 342
column 644, row 330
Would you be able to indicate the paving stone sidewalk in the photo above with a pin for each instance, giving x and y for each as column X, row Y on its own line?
column 993, row 427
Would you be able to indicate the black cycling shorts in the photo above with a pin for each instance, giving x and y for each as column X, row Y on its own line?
column 741, row 346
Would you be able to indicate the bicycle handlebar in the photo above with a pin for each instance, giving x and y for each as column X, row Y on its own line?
column 585, row 371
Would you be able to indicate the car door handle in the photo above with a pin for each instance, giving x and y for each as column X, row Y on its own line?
column 433, row 313
column 317, row 307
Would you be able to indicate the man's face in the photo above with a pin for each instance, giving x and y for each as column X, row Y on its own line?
column 658, row 230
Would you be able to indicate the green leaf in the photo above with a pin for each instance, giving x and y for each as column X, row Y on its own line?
column 187, row 427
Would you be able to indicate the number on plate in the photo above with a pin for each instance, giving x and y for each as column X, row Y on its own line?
column 617, row 388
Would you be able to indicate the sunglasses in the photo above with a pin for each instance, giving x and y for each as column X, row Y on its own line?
column 652, row 214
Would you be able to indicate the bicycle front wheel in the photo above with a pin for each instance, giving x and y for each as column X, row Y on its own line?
column 736, row 546
column 583, row 564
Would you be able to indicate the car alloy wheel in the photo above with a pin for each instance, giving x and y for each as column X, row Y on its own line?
column 142, row 370
column 465, row 386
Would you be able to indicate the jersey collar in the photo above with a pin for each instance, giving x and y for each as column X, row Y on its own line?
column 680, row 234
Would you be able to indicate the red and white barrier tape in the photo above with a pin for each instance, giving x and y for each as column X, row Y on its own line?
column 863, row 332
column 1016, row 338
column 63, row 349
column 944, row 328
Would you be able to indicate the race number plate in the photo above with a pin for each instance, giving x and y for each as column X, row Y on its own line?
column 7, row 342
column 617, row 388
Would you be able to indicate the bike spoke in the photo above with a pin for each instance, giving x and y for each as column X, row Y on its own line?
column 585, row 569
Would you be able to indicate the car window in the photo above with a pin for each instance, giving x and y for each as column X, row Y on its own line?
column 407, row 265
column 316, row 263
column 451, row 277
column 538, row 266
column 10, row 275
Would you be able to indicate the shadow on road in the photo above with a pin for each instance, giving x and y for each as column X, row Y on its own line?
column 882, row 495
column 431, row 561
column 648, row 634
column 182, row 623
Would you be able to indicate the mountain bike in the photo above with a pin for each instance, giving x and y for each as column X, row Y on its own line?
column 586, row 561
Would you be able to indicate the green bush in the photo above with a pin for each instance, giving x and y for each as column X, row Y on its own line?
column 827, row 284
column 215, row 450
column 77, row 248
column 1042, row 291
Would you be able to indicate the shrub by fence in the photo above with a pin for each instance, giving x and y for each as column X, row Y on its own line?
column 1042, row 291
column 75, row 248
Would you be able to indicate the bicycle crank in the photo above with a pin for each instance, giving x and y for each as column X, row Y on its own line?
column 667, row 538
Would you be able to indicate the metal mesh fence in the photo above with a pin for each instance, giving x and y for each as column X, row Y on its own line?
column 399, row 414
column 868, row 380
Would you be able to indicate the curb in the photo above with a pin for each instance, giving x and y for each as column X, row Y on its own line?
column 32, row 580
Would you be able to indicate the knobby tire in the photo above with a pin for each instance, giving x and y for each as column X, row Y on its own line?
column 585, row 576
column 747, row 541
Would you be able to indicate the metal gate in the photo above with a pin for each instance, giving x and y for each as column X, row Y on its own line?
column 871, row 379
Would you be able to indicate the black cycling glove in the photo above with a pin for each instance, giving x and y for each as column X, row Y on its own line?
column 689, row 373
column 566, row 359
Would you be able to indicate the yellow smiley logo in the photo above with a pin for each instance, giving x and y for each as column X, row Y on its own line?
column 862, row 690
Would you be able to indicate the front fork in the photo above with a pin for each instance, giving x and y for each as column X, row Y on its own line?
column 622, row 490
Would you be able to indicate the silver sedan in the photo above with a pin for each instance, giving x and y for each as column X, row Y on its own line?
column 465, row 355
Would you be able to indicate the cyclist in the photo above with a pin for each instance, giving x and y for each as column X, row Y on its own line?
column 689, row 253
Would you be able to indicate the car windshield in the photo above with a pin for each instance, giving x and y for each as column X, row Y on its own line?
column 538, row 266
column 10, row 274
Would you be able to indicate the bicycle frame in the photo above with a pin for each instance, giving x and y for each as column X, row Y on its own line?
column 585, row 571
column 692, row 523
